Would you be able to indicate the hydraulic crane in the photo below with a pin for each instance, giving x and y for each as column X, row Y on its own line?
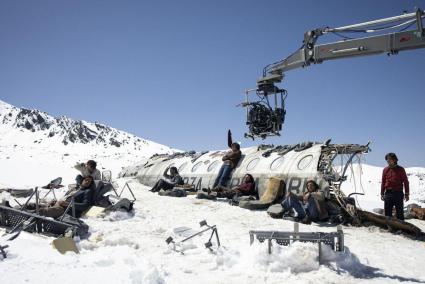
column 264, row 119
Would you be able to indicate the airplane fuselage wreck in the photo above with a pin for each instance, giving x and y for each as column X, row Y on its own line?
column 295, row 164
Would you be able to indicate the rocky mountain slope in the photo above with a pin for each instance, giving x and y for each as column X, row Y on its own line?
column 33, row 140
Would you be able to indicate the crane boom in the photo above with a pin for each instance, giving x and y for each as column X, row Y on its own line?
column 267, row 124
column 311, row 53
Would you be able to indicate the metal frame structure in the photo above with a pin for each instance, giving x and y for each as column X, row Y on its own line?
column 126, row 185
column 334, row 239
column 20, row 220
column 208, row 244
column 310, row 53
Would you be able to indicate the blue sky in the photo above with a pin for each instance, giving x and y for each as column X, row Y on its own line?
column 174, row 71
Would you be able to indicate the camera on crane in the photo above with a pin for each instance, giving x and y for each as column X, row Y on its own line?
column 263, row 118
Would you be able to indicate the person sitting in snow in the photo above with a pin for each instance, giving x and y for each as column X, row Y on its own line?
column 230, row 161
column 170, row 180
column 246, row 188
column 310, row 206
column 87, row 169
column 82, row 196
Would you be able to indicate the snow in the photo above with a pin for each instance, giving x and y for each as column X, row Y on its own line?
column 131, row 248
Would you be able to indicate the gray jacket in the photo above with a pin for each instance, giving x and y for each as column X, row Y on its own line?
column 85, row 172
column 176, row 180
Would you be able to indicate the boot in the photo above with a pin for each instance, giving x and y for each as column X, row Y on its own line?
column 203, row 195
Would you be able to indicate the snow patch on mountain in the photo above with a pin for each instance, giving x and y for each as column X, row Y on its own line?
column 67, row 130
column 31, row 141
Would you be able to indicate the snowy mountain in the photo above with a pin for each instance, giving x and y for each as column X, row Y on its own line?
column 67, row 130
column 31, row 140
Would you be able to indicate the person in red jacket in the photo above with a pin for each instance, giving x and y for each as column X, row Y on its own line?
column 393, row 179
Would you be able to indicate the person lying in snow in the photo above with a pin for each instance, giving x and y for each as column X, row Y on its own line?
column 170, row 180
column 246, row 188
column 83, row 199
column 310, row 206
column 230, row 161
column 87, row 169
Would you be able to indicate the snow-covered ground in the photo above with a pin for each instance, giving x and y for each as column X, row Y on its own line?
column 131, row 249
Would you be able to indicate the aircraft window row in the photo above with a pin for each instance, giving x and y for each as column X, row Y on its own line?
column 275, row 165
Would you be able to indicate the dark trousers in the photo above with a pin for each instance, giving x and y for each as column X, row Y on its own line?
column 79, row 179
column 162, row 184
column 223, row 175
column 309, row 209
column 224, row 192
column 391, row 199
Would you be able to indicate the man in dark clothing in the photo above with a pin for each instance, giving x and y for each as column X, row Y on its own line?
column 83, row 199
column 246, row 188
column 310, row 206
column 170, row 180
column 230, row 161
column 393, row 179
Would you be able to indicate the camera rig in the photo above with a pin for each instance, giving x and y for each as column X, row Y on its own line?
column 262, row 117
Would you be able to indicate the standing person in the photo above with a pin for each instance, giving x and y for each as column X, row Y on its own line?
column 87, row 169
column 393, row 179
column 230, row 161
column 170, row 180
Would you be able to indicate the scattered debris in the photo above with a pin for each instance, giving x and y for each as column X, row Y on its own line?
column 208, row 244
column 335, row 240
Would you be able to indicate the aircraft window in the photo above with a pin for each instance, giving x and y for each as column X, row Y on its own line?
column 251, row 165
column 182, row 166
column 305, row 162
column 196, row 166
column 277, row 163
column 213, row 166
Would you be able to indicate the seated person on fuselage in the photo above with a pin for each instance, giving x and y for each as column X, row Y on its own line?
column 230, row 161
column 246, row 188
column 83, row 199
column 170, row 181
column 310, row 206
column 87, row 169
